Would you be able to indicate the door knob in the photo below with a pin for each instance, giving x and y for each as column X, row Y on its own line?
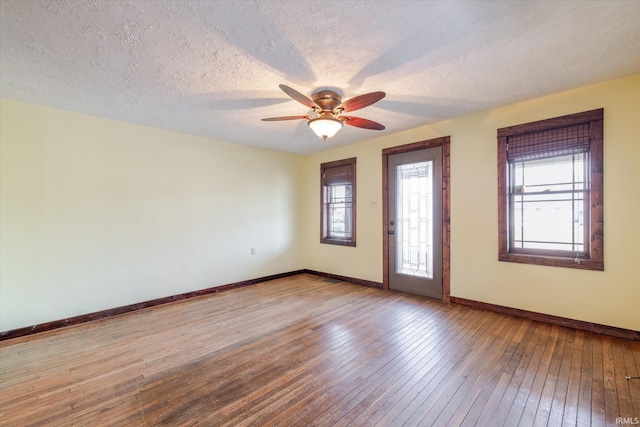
column 391, row 232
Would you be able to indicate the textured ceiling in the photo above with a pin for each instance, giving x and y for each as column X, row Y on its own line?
column 212, row 68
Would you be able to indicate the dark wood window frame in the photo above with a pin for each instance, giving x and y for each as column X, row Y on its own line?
column 593, row 259
column 330, row 172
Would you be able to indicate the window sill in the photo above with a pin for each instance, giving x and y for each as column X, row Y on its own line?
column 338, row 242
column 580, row 263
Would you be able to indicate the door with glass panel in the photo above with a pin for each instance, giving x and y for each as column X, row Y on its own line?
column 415, row 222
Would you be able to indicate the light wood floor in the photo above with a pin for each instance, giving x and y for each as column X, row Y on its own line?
column 305, row 351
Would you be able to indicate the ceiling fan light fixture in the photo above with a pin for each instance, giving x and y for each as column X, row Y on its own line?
column 325, row 127
column 327, row 109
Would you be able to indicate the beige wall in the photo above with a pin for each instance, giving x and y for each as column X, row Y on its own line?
column 97, row 214
column 611, row 297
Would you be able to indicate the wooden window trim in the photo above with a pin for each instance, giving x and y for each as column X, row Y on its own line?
column 351, row 162
column 595, row 258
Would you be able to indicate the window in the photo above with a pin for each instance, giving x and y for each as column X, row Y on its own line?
column 550, row 192
column 337, row 200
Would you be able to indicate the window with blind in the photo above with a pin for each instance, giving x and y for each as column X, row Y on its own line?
column 550, row 192
column 337, row 201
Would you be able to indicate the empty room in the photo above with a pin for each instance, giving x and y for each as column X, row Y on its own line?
column 319, row 213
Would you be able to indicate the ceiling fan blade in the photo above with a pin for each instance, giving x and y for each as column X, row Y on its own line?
column 279, row 119
column 360, row 101
column 300, row 97
column 361, row 123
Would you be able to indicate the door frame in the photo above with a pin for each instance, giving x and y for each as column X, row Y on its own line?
column 443, row 142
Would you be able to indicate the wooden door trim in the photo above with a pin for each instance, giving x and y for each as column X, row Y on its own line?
column 443, row 142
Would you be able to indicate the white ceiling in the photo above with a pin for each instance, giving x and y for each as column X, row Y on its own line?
column 212, row 68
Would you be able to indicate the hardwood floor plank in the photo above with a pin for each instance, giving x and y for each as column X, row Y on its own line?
column 349, row 366
column 473, row 381
column 598, row 410
column 328, row 375
column 586, row 384
column 406, row 364
column 305, row 351
column 535, row 394
column 371, row 366
column 483, row 410
column 451, row 366
column 516, row 376
column 550, row 388
column 317, row 404
column 524, row 389
column 382, row 400
column 632, row 369
column 570, row 406
column 395, row 400
column 622, row 390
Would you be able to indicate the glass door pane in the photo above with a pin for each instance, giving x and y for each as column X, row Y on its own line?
column 414, row 219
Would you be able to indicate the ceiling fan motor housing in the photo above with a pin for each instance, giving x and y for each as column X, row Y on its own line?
column 327, row 100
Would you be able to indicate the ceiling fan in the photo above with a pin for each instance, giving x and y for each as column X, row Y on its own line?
column 328, row 107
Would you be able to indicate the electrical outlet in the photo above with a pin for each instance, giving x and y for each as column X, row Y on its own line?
column 253, row 251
